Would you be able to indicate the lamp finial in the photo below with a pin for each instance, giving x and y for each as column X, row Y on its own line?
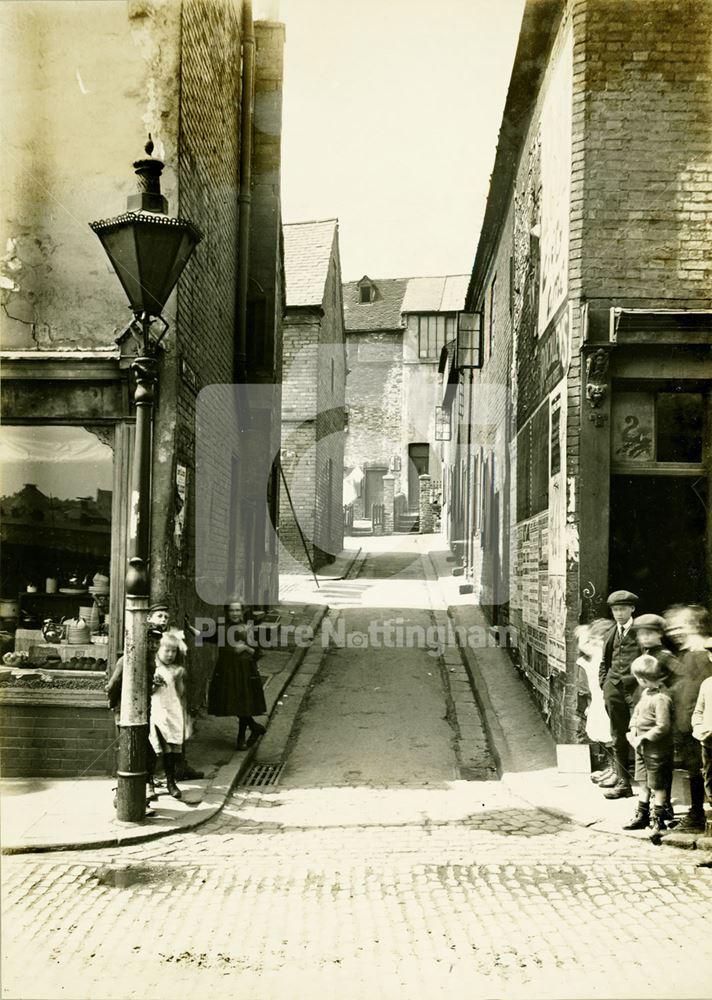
column 149, row 145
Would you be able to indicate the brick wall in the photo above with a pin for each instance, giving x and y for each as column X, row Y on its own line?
column 374, row 396
column 312, row 425
column 648, row 168
column 331, row 376
column 300, row 360
column 203, row 336
column 56, row 741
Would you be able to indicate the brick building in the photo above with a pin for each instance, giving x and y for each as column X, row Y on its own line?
column 395, row 331
column 589, row 454
column 84, row 85
column 313, row 387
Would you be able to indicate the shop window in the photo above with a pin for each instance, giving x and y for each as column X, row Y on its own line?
column 55, row 503
column 679, row 426
column 657, row 427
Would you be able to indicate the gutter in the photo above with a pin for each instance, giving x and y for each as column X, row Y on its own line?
column 244, row 197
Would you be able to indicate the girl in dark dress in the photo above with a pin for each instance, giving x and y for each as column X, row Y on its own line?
column 236, row 685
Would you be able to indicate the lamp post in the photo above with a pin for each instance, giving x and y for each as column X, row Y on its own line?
column 148, row 251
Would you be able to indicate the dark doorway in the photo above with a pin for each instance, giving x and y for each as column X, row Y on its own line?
column 418, row 465
column 657, row 539
column 373, row 489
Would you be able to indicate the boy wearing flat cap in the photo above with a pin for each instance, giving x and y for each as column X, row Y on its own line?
column 619, row 686
column 649, row 631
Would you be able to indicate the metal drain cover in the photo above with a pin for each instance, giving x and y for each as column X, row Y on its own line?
column 263, row 775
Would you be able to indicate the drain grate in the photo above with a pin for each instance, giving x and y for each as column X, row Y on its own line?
column 263, row 775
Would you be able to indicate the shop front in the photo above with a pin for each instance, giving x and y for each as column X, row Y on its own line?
column 64, row 448
column 646, row 462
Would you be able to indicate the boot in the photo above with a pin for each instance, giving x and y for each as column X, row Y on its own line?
column 641, row 820
column 600, row 776
column 169, row 766
column 692, row 822
column 256, row 730
column 241, row 733
column 658, row 824
column 621, row 790
column 609, row 780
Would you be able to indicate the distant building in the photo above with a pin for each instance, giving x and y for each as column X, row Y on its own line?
column 314, row 372
column 396, row 329
column 590, row 441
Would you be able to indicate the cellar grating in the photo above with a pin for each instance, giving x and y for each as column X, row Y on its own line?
column 263, row 775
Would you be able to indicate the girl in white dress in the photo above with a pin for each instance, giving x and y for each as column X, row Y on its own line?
column 170, row 722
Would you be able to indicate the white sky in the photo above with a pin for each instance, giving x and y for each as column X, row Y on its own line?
column 391, row 115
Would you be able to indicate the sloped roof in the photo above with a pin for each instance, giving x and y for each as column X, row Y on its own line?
column 307, row 252
column 442, row 294
column 384, row 313
column 395, row 296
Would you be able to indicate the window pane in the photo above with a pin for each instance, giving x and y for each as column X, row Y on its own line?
column 679, row 426
column 56, row 505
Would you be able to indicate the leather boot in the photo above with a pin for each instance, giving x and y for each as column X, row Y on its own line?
column 241, row 733
column 598, row 777
column 256, row 730
column 169, row 766
column 641, row 820
column 691, row 822
column 658, row 824
column 621, row 790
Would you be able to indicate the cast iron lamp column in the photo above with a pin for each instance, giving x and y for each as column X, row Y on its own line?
column 148, row 250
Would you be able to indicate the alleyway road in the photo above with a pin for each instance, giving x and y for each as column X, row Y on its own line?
column 371, row 870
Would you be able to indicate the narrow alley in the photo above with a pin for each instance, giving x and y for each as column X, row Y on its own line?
column 370, row 869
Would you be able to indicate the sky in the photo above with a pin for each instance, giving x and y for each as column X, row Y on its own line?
column 390, row 121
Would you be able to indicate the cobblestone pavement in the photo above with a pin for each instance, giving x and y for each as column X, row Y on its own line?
column 452, row 889
column 504, row 901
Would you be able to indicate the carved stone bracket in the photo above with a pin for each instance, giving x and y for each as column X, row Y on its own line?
column 597, row 384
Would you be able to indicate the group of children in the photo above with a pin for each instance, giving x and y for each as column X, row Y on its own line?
column 655, row 677
column 235, row 690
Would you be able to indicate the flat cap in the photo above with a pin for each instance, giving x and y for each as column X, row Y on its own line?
column 622, row 597
column 158, row 606
column 650, row 621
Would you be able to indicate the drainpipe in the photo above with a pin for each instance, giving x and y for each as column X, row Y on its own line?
column 244, row 197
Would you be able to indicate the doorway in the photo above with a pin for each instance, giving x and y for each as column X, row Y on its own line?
column 373, row 489
column 418, row 465
column 657, row 539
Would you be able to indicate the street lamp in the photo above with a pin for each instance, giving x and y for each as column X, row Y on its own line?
column 148, row 250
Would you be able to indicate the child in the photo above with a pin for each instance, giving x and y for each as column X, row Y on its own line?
column 591, row 639
column 649, row 631
column 702, row 731
column 689, row 629
column 650, row 735
column 619, row 687
column 170, row 722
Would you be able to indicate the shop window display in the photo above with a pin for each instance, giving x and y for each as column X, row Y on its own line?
column 55, row 531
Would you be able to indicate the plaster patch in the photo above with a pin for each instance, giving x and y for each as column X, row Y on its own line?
column 572, row 543
column 571, row 506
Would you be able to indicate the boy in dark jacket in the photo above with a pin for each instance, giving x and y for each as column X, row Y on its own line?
column 619, row 687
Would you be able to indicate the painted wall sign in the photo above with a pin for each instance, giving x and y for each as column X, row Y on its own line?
column 180, row 507
column 633, row 426
column 556, row 184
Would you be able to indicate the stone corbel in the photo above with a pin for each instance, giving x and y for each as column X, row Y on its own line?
column 597, row 385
